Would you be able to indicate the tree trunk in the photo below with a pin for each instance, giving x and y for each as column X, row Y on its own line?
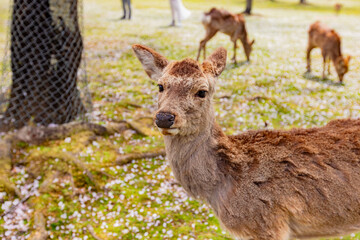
column 248, row 7
column 302, row 1
column 46, row 49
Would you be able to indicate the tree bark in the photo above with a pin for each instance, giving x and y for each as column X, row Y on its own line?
column 248, row 7
column 46, row 50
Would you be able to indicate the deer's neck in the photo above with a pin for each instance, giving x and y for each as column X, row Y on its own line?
column 194, row 161
column 335, row 53
column 334, row 56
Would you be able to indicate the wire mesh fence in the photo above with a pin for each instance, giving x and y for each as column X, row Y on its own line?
column 44, row 76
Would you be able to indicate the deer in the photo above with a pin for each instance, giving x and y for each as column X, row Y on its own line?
column 232, row 25
column 330, row 44
column 337, row 8
column 261, row 184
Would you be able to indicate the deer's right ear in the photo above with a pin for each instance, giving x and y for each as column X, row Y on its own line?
column 152, row 62
column 215, row 63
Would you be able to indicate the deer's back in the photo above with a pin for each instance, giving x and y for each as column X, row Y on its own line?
column 323, row 37
column 224, row 21
column 309, row 177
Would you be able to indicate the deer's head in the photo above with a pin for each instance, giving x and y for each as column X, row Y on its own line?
column 248, row 48
column 342, row 66
column 186, row 89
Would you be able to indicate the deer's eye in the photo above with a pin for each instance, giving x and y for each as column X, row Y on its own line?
column 161, row 88
column 201, row 94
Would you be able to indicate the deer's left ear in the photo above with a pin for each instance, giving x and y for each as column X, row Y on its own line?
column 348, row 58
column 215, row 63
column 152, row 62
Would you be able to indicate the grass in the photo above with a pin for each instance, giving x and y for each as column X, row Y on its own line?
column 349, row 6
column 143, row 202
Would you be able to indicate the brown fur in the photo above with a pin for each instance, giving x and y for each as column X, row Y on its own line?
column 330, row 43
column 265, row 184
column 232, row 25
column 187, row 67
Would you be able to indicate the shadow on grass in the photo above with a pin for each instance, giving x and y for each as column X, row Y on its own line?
column 253, row 14
column 312, row 77
column 170, row 26
column 233, row 65
column 119, row 19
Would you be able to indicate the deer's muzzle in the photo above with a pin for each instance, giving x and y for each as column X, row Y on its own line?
column 164, row 120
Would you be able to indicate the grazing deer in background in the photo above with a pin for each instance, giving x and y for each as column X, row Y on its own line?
column 330, row 43
column 262, row 185
column 231, row 24
column 338, row 7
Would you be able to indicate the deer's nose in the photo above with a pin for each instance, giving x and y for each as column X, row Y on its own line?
column 164, row 120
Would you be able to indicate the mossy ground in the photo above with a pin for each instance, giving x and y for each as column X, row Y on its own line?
column 142, row 200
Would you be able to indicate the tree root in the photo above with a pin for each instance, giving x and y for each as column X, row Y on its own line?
column 145, row 117
column 5, row 166
column 40, row 232
column 80, row 165
column 124, row 159
column 71, row 159
column 92, row 232
column 137, row 128
column 105, row 174
column 49, row 179
column 39, row 134
column 134, row 105
column 119, row 127
column 258, row 98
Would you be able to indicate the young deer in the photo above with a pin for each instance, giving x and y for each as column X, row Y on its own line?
column 262, row 185
column 231, row 24
column 330, row 43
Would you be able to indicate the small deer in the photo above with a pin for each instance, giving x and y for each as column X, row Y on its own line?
column 231, row 24
column 337, row 8
column 330, row 43
column 262, row 185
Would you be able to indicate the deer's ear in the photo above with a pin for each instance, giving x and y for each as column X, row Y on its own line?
column 215, row 63
column 152, row 62
column 348, row 58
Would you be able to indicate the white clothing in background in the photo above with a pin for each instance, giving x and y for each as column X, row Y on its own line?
column 178, row 11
